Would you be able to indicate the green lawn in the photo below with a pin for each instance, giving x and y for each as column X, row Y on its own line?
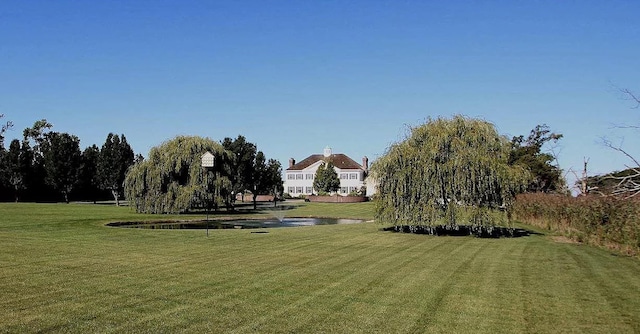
column 61, row 270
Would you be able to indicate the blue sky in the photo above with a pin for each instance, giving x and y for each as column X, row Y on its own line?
column 296, row 76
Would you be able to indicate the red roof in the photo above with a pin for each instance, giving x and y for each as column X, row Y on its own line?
column 339, row 160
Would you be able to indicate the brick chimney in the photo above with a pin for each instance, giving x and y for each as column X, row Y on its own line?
column 365, row 163
column 292, row 162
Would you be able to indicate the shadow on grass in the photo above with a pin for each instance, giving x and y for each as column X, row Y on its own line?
column 245, row 209
column 464, row 230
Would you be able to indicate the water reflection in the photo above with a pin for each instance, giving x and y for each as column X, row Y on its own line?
column 237, row 224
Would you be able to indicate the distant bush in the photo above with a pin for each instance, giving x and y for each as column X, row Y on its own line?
column 603, row 221
column 362, row 191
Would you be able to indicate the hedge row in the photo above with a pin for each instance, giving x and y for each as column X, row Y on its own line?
column 603, row 221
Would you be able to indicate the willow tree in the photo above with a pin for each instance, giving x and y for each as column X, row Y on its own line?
column 443, row 166
column 171, row 180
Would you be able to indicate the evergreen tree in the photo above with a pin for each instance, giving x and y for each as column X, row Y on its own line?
column 326, row 179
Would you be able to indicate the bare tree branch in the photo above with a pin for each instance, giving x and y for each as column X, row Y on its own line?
column 628, row 95
column 632, row 97
column 627, row 126
column 628, row 185
column 575, row 185
column 4, row 129
column 608, row 144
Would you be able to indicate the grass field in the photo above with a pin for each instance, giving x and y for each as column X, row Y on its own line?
column 62, row 270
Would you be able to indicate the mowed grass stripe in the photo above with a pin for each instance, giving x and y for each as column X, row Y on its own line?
column 72, row 274
column 333, row 283
column 604, row 287
column 560, row 297
column 259, row 269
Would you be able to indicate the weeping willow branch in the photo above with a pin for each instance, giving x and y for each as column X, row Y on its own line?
column 171, row 179
column 444, row 166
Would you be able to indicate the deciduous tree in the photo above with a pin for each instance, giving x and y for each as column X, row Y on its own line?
column 88, row 183
column 5, row 126
column 33, row 138
column 267, row 178
column 259, row 177
column 37, row 133
column 274, row 179
column 61, row 154
column 4, row 168
column 171, row 180
column 243, row 164
column 18, row 159
column 528, row 153
column 115, row 158
column 444, row 165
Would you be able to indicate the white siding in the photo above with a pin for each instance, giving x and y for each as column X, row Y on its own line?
column 303, row 179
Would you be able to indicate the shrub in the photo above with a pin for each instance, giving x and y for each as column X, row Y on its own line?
column 608, row 222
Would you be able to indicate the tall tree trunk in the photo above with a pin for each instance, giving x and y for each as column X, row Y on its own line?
column 275, row 198
column 114, row 192
column 583, row 183
column 255, row 201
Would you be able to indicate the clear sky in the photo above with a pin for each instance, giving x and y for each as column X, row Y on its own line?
column 296, row 76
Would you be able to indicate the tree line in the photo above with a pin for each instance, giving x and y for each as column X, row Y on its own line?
column 172, row 179
column 46, row 165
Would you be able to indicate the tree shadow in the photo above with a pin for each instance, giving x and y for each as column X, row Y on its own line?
column 493, row 232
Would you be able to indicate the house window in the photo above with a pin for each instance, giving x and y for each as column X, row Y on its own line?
column 344, row 190
column 344, row 175
column 291, row 176
column 352, row 189
column 309, row 190
column 291, row 190
column 299, row 190
column 309, row 177
column 353, row 176
column 299, row 176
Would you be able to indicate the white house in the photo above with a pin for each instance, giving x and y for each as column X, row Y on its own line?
column 299, row 176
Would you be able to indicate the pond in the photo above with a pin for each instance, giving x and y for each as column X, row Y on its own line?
column 237, row 223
